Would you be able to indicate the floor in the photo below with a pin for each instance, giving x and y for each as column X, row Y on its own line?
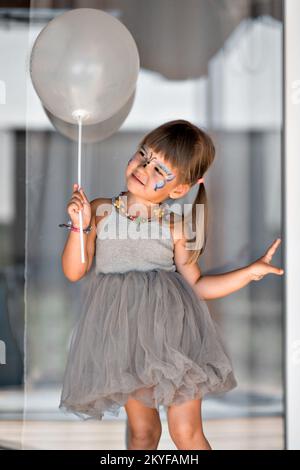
column 240, row 420
column 238, row 433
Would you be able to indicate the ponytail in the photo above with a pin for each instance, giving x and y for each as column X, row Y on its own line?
column 197, row 221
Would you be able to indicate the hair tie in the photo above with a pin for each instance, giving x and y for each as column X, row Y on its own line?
column 200, row 180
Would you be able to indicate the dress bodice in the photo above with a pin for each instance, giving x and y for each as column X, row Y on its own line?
column 123, row 245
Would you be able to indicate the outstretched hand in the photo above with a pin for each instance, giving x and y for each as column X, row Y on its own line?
column 262, row 266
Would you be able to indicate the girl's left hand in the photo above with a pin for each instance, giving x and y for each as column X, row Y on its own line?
column 262, row 266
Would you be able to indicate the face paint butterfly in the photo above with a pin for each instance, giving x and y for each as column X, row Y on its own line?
column 169, row 175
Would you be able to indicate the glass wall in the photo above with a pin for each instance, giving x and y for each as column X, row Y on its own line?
column 217, row 64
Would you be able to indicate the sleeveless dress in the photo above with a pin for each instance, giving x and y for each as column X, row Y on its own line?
column 143, row 332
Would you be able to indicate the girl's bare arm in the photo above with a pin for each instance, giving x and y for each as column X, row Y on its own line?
column 220, row 285
column 72, row 266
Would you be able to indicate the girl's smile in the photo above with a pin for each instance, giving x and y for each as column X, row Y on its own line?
column 138, row 178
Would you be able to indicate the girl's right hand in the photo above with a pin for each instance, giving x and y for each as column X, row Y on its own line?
column 77, row 202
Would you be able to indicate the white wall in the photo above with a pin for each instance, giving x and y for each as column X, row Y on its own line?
column 247, row 94
column 292, row 221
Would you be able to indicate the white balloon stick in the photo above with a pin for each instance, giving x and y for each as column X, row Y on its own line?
column 79, row 183
column 80, row 114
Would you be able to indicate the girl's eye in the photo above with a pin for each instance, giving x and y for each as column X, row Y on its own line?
column 159, row 171
column 143, row 155
column 156, row 168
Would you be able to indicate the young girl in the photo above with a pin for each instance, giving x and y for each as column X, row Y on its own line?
column 146, row 337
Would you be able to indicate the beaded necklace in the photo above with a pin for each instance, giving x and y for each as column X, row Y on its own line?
column 158, row 213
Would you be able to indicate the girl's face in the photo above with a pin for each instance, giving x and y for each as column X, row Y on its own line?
column 149, row 176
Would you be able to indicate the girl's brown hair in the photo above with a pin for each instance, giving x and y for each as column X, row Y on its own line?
column 191, row 150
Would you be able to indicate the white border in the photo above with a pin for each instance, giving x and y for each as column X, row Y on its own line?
column 292, row 220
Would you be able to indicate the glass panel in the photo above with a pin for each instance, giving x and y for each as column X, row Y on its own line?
column 217, row 64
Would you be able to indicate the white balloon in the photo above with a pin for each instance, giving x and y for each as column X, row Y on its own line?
column 93, row 132
column 84, row 59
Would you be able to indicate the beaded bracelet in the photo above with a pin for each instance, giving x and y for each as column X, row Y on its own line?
column 71, row 227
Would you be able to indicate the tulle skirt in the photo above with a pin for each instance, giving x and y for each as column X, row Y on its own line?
column 143, row 335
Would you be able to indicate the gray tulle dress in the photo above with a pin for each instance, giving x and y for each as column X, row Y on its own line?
column 143, row 332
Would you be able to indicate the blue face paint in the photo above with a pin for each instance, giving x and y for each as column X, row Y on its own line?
column 170, row 176
column 159, row 185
